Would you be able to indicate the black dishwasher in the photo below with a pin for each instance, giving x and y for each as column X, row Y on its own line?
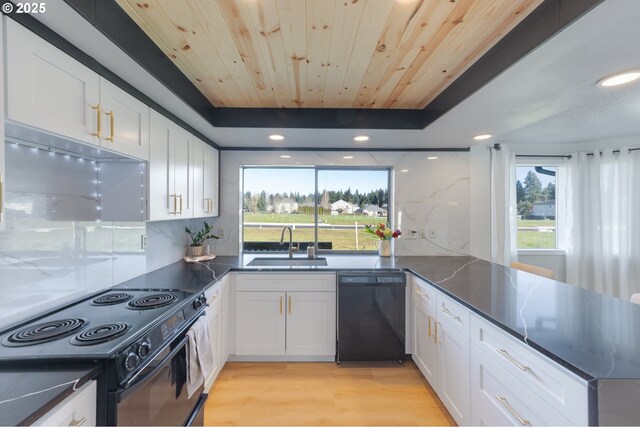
column 371, row 316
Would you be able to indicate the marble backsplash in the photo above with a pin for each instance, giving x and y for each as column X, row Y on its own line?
column 429, row 194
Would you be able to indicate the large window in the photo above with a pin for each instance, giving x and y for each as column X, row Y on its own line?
column 325, row 207
column 536, row 207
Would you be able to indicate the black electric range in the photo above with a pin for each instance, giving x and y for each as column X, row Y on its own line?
column 137, row 335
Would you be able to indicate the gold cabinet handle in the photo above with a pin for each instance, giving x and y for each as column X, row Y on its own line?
column 446, row 311
column 175, row 204
column 280, row 304
column 75, row 423
column 435, row 335
column 112, row 121
column 210, row 205
column 180, row 212
column 419, row 292
column 99, row 124
column 429, row 318
column 503, row 400
column 511, row 359
column 290, row 304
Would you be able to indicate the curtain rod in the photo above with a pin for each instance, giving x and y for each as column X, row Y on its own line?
column 558, row 156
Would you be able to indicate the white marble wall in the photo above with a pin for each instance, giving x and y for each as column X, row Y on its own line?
column 432, row 194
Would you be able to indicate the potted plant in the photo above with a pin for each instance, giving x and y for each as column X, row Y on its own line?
column 384, row 235
column 198, row 238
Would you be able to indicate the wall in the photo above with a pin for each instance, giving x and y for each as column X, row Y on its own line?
column 432, row 194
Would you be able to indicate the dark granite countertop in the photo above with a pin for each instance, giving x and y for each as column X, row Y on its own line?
column 592, row 335
column 27, row 394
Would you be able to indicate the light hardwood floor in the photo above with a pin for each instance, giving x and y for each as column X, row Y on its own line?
column 269, row 394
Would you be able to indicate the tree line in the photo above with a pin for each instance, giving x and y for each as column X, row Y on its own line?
column 259, row 202
column 532, row 192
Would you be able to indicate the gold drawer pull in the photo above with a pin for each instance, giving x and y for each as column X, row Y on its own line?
column 290, row 304
column 505, row 403
column 446, row 311
column 99, row 124
column 429, row 318
column 510, row 358
column 419, row 292
column 175, row 204
column 75, row 423
column 280, row 305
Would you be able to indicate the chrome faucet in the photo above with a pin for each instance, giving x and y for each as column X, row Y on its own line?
column 291, row 248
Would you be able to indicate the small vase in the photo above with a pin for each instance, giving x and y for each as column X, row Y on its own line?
column 195, row 251
column 384, row 249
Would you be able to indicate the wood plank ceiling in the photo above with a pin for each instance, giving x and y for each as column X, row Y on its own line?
column 325, row 53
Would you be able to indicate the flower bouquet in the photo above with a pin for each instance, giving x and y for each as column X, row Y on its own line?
column 384, row 234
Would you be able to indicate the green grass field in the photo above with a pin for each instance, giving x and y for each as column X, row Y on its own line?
column 344, row 239
column 303, row 218
column 532, row 239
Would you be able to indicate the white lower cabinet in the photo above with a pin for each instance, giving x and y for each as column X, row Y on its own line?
column 214, row 322
column 441, row 347
column 77, row 409
column 294, row 315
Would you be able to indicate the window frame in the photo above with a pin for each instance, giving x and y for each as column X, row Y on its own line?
column 559, row 166
column 317, row 169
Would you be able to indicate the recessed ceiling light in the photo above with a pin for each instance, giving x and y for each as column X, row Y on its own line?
column 285, row 156
column 361, row 138
column 347, row 157
column 432, row 158
column 276, row 137
column 404, row 170
column 482, row 137
column 620, row 79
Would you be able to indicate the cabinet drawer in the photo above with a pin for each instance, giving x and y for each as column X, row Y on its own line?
column 424, row 292
column 213, row 294
column 453, row 314
column 559, row 388
column 289, row 282
column 500, row 399
column 79, row 408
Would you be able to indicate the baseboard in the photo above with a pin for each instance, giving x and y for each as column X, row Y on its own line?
column 237, row 358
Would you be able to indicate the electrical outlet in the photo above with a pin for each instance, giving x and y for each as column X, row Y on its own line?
column 221, row 233
column 411, row 235
column 421, row 233
column 432, row 233
column 143, row 241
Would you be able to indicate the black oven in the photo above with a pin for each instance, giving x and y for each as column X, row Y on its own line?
column 157, row 394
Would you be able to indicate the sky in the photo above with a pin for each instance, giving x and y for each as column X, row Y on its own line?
column 302, row 180
column 522, row 171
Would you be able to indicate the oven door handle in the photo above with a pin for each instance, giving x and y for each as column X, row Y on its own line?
column 128, row 390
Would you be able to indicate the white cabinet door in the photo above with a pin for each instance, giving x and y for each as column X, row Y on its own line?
column 183, row 147
column 212, row 177
column 425, row 350
column 77, row 409
column 311, row 323
column 214, row 320
column 453, row 363
column 199, row 160
column 162, row 201
column 170, row 177
column 49, row 90
column 125, row 122
column 260, row 323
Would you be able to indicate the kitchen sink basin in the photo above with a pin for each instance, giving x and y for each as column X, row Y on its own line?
column 288, row 262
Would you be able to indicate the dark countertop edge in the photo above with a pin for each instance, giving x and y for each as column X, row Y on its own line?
column 555, row 358
column 65, row 392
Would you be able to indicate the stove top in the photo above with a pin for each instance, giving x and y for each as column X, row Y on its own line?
column 97, row 327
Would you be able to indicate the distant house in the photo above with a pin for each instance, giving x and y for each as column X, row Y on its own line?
column 544, row 209
column 341, row 207
column 373, row 210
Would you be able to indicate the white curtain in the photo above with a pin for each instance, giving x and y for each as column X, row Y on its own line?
column 602, row 232
column 503, row 206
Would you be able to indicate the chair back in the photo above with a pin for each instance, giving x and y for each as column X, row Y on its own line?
column 533, row 269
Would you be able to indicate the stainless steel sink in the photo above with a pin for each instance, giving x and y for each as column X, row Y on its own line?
column 288, row 262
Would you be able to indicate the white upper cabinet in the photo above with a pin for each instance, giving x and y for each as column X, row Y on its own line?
column 170, row 173
column 205, row 179
column 124, row 122
column 49, row 90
